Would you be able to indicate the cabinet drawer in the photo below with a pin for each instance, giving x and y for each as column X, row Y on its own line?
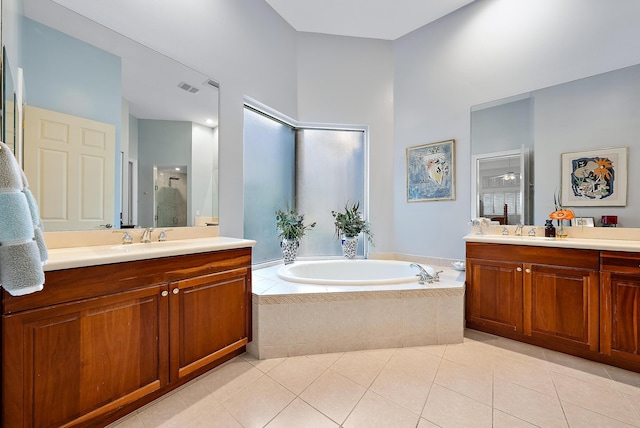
column 620, row 262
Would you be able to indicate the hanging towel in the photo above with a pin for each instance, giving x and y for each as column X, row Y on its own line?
column 21, row 271
column 10, row 171
column 16, row 224
column 37, row 223
column 22, row 247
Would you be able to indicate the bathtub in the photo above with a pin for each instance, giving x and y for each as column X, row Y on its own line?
column 316, row 307
column 351, row 272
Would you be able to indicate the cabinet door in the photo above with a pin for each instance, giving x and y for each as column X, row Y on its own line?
column 106, row 352
column 494, row 295
column 620, row 315
column 209, row 319
column 561, row 305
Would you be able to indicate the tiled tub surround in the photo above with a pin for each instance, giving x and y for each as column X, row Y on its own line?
column 291, row 319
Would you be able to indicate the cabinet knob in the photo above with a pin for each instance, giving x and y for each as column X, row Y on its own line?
column 528, row 270
column 165, row 293
column 519, row 269
column 176, row 290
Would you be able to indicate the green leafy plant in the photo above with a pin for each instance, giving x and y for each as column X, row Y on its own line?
column 350, row 222
column 290, row 224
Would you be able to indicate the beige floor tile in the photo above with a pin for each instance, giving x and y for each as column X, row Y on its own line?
column 435, row 350
column 467, row 381
column 579, row 368
column 230, row 378
column 220, row 417
column 447, row 408
column 524, row 352
column 359, row 367
column 403, row 388
column 634, row 402
column 129, row 421
column 334, row 395
column 296, row 373
column 527, row 404
column 531, row 376
column 257, row 405
column 326, row 359
column 606, row 401
column 472, row 354
column 626, row 381
column 262, row 365
column 426, row 424
column 300, row 414
column 168, row 412
column 580, row 417
column 421, row 364
column 503, row 420
column 375, row 411
column 380, row 354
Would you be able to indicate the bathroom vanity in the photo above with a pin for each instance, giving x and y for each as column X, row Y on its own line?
column 578, row 296
column 104, row 339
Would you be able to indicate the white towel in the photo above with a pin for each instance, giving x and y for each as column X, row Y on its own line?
column 21, row 257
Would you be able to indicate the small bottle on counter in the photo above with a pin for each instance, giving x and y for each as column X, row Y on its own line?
column 549, row 229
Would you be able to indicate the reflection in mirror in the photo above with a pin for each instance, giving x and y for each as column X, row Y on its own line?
column 163, row 113
column 500, row 186
column 591, row 113
column 8, row 106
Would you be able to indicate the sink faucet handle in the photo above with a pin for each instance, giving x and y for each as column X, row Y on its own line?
column 162, row 236
column 532, row 231
column 126, row 236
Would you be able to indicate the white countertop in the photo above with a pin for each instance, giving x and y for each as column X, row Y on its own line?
column 73, row 257
column 581, row 243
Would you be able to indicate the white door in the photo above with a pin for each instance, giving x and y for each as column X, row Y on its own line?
column 70, row 164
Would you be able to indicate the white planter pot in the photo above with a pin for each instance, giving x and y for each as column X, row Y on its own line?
column 289, row 250
column 349, row 246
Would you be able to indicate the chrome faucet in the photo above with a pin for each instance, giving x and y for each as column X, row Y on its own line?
column 146, row 235
column 532, row 232
column 424, row 276
column 162, row 236
column 518, row 231
column 126, row 236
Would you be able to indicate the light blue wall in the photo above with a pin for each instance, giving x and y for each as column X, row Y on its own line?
column 55, row 79
column 488, row 50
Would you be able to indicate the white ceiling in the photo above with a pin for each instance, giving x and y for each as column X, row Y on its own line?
column 375, row 19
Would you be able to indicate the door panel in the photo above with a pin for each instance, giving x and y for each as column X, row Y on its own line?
column 70, row 164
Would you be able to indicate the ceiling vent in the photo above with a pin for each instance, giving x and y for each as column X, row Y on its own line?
column 187, row 87
column 211, row 83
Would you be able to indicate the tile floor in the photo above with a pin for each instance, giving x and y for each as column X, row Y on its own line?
column 486, row 381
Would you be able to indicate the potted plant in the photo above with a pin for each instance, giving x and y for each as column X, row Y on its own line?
column 349, row 224
column 291, row 228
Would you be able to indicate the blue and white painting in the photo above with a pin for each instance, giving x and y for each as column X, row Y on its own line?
column 430, row 172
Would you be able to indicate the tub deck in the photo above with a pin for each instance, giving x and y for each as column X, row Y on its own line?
column 291, row 319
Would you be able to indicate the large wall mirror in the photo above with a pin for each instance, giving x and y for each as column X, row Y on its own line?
column 593, row 113
column 116, row 134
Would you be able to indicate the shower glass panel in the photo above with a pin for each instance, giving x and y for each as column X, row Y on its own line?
column 330, row 173
column 170, row 196
column 269, row 168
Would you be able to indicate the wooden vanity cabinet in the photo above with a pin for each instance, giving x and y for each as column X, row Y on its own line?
column 620, row 305
column 546, row 296
column 100, row 341
column 494, row 295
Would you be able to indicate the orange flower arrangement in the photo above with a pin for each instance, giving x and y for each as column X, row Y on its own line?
column 562, row 214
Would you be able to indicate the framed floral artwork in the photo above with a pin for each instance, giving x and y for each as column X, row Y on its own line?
column 430, row 172
column 595, row 178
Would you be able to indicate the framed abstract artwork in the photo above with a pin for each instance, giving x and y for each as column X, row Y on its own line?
column 595, row 178
column 430, row 172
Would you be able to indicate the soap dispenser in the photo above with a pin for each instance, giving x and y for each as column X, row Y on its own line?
column 549, row 229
